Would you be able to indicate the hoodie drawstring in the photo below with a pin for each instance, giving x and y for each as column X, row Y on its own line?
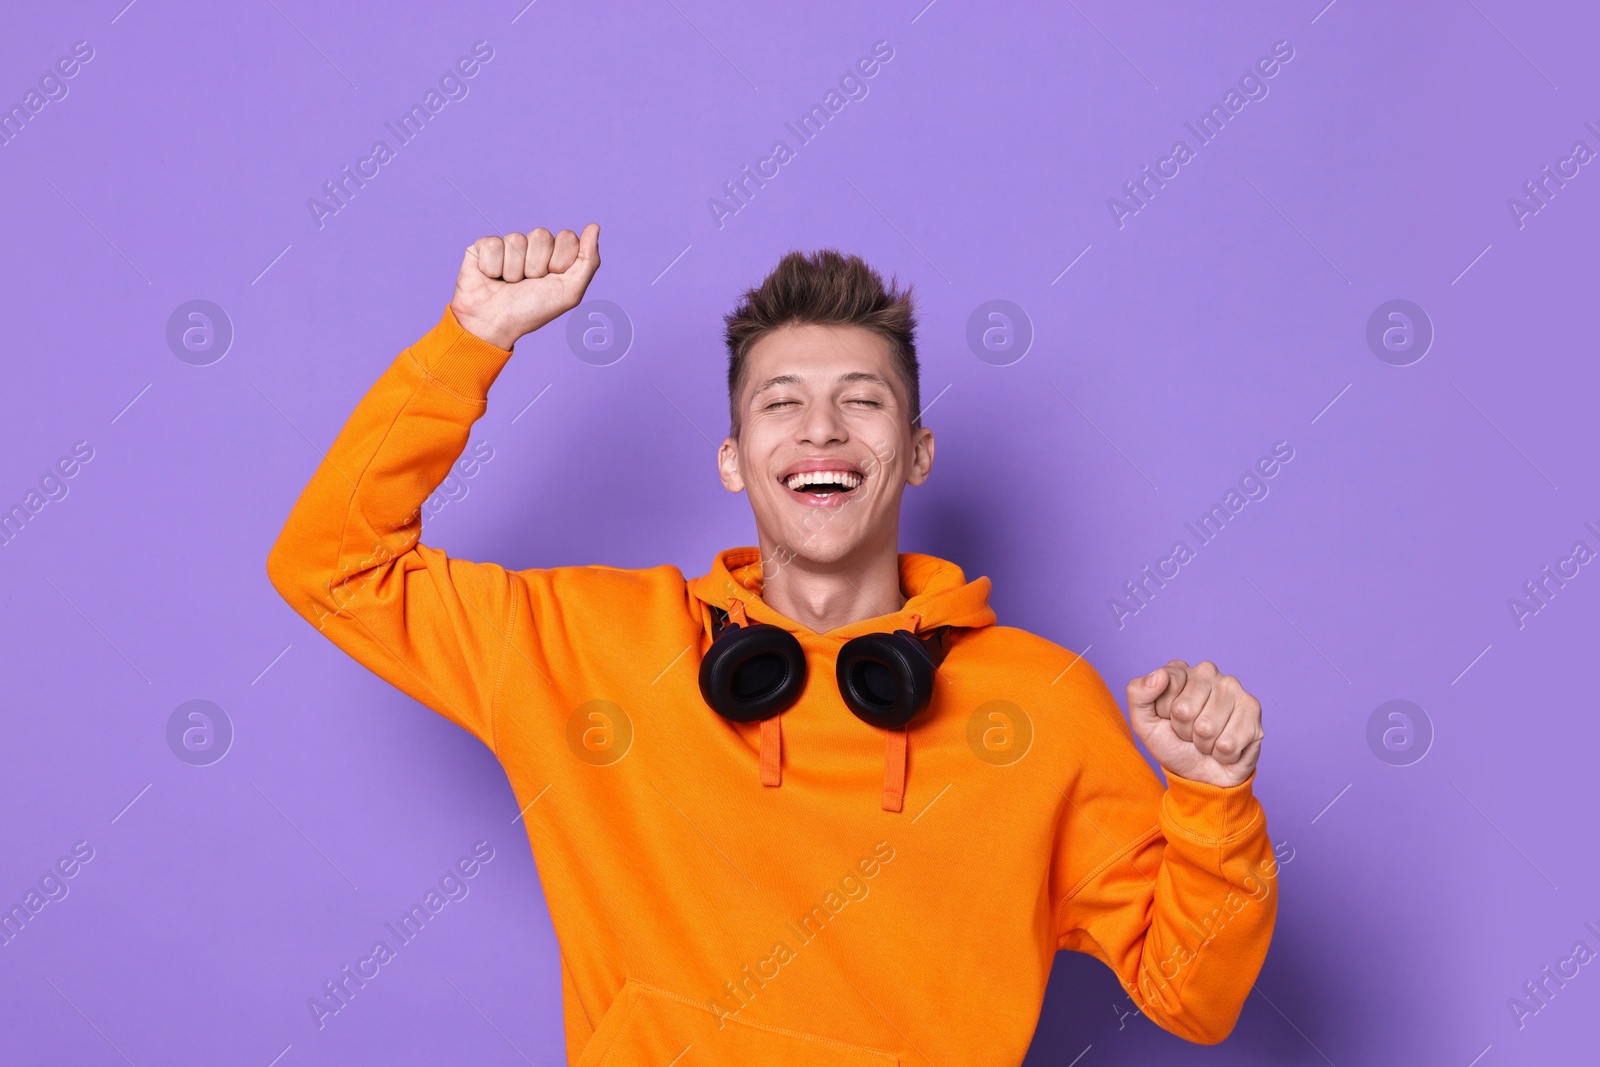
column 894, row 769
column 771, row 743
column 897, row 752
column 772, row 750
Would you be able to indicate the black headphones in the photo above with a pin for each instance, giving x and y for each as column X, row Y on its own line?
column 752, row 672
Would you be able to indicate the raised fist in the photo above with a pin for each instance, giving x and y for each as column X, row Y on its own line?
column 512, row 285
column 1197, row 722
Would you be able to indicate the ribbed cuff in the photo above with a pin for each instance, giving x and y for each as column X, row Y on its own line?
column 1210, row 814
column 460, row 361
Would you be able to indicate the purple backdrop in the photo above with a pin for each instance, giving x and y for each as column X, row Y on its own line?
column 1156, row 343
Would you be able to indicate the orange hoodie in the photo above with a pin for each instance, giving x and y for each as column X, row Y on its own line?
column 705, row 918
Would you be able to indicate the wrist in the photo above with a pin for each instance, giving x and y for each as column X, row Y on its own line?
column 1212, row 778
column 458, row 359
column 498, row 333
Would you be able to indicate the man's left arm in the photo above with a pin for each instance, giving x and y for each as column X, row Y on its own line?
column 1175, row 890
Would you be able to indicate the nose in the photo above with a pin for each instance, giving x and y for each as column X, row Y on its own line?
column 823, row 425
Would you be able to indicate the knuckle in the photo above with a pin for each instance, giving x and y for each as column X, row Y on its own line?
column 1205, row 668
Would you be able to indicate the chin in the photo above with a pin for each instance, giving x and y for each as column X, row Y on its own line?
column 823, row 555
column 821, row 548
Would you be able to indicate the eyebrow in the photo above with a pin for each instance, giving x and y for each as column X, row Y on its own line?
column 794, row 379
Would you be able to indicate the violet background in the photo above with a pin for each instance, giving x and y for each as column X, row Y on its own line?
column 1223, row 317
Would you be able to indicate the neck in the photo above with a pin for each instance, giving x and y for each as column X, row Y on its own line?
column 826, row 596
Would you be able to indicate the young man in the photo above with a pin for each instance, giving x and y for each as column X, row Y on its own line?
column 760, row 844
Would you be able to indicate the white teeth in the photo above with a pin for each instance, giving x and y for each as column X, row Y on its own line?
column 845, row 479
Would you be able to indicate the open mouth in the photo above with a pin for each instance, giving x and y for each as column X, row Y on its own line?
column 823, row 486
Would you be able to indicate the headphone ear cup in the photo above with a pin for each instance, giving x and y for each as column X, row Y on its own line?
column 885, row 679
column 752, row 672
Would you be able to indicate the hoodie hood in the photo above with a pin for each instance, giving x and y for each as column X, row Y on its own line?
column 937, row 594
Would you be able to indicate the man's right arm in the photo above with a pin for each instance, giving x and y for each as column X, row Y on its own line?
column 349, row 558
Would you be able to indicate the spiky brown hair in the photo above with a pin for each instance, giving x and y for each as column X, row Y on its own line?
column 824, row 288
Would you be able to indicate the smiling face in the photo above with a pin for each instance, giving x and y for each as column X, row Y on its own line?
column 825, row 446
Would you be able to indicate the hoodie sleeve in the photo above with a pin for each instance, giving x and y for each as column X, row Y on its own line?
column 349, row 559
column 1175, row 890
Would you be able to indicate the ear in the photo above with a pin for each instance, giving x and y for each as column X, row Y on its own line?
column 921, row 456
column 728, row 465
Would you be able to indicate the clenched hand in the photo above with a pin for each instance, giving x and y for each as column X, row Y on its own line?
column 512, row 285
column 1197, row 722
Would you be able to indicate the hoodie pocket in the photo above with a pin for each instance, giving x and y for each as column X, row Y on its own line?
column 647, row 1025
